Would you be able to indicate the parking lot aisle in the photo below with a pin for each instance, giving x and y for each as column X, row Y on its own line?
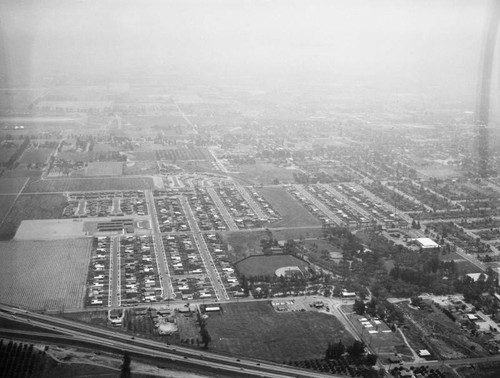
column 161, row 258
column 213, row 274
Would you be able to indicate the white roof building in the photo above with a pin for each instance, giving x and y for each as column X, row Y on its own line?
column 427, row 243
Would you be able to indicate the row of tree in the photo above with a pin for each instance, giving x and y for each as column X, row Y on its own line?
column 21, row 360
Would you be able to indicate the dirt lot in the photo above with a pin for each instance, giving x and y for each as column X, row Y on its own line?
column 44, row 274
column 254, row 329
column 50, row 229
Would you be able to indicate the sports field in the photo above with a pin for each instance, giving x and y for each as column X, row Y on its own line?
column 44, row 274
column 255, row 330
column 261, row 265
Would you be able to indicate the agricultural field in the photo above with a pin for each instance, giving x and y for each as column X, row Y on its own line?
column 58, row 282
column 32, row 206
column 264, row 173
column 184, row 153
column 255, row 329
column 255, row 266
column 6, row 202
column 35, row 155
column 74, row 156
column 140, row 168
column 89, row 184
column 293, row 214
column 12, row 185
column 110, row 168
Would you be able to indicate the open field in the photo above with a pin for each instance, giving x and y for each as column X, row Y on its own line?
column 293, row 213
column 74, row 156
column 6, row 153
column 89, row 184
column 463, row 266
column 243, row 243
column 11, row 185
column 44, row 274
column 32, row 206
column 264, row 173
column 140, row 168
column 50, row 229
column 247, row 243
column 255, row 330
column 254, row 266
column 6, row 202
column 36, row 155
column 109, row 168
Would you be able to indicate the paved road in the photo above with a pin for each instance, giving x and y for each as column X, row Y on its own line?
column 222, row 209
column 161, row 258
column 319, row 204
column 114, row 273
column 213, row 274
column 354, row 206
column 248, row 198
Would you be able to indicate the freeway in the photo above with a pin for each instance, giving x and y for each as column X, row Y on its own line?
column 99, row 338
column 213, row 274
column 161, row 259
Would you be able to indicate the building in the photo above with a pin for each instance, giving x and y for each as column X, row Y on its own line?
column 426, row 243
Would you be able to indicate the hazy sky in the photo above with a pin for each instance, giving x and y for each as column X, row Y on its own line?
column 416, row 39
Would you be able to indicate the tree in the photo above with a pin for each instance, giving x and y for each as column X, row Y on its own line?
column 335, row 350
column 356, row 349
column 205, row 337
column 359, row 307
column 125, row 373
column 371, row 359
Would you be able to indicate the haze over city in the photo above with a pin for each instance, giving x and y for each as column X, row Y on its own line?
column 264, row 188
